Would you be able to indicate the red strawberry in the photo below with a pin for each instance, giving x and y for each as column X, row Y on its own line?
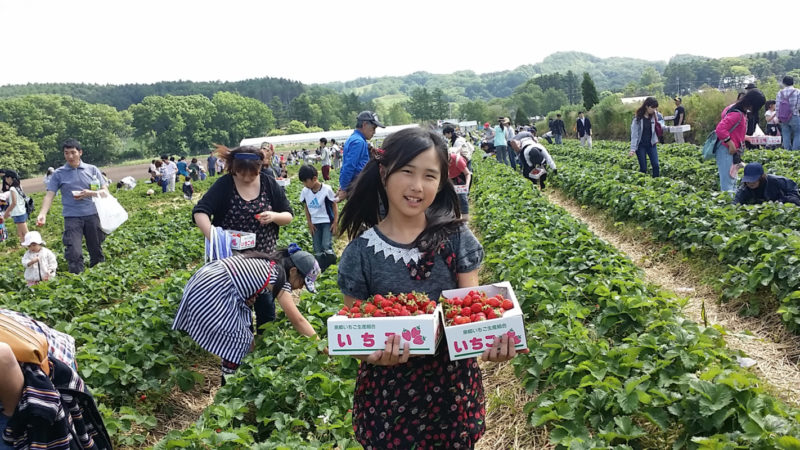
column 142, row 398
column 466, row 311
column 344, row 311
column 476, row 307
column 379, row 313
column 508, row 304
column 490, row 314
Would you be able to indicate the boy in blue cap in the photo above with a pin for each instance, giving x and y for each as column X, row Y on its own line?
column 758, row 187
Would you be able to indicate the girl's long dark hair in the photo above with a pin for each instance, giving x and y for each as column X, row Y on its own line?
column 649, row 101
column 452, row 131
column 754, row 99
column 368, row 191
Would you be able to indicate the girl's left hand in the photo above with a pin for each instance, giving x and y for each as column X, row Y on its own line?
column 265, row 218
column 503, row 349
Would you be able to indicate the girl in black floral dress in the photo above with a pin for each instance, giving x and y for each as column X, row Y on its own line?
column 422, row 401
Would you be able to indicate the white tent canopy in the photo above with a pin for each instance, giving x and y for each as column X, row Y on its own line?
column 339, row 135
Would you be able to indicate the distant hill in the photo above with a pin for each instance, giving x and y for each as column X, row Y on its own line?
column 607, row 73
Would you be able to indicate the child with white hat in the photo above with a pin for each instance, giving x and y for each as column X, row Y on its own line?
column 39, row 261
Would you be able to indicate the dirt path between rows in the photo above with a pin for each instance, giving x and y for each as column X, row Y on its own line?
column 775, row 350
column 116, row 173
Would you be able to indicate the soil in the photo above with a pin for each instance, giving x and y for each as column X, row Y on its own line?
column 115, row 173
column 764, row 339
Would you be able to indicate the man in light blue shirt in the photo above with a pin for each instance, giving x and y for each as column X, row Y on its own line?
column 356, row 151
column 76, row 181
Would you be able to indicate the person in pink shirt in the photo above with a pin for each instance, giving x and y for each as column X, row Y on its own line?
column 731, row 133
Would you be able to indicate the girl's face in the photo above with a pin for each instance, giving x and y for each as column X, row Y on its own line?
column 412, row 188
column 651, row 109
column 247, row 177
column 34, row 247
column 296, row 279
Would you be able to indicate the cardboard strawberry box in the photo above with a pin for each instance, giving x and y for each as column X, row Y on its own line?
column 469, row 340
column 362, row 336
column 461, row 189
column 763, row 140
column 241, row 240
column 679, row 128
column 283, row 181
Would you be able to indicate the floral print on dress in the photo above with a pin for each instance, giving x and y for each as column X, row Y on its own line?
column 429, row 402
column 241, row 217
column 421, row 270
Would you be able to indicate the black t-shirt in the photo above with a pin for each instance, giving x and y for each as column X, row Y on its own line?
column 679, row 111
column 647, row 133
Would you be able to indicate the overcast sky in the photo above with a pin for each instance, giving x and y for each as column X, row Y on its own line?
column 144, row 41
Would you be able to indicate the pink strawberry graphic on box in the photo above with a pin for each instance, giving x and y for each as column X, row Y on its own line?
column 413, row 336
column 514, row 336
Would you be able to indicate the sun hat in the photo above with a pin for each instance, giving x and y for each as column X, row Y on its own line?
column 32, row 237
column 752, row 172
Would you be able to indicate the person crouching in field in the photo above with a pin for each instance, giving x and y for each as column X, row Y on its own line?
column 758, row 187
column 216, row 306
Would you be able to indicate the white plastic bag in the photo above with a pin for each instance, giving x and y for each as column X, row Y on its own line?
column 111, row 213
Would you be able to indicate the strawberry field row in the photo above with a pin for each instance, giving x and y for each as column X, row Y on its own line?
column 613, row 361
column 679, row 162
column 757, row 246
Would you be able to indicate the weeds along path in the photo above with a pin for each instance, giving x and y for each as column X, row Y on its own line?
column 764, row 339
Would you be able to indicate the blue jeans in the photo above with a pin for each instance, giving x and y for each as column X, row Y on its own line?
column 322, row 239
column 557, row 138
column 644, row 151
column 502, row 154
column 323, row 247
column 724, row 163
column 791, row 133
column 512, row 156
column 264, row 308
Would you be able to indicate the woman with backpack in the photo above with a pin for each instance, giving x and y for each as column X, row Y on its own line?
column 644, row 138
column 731, row 132
column 17, row 209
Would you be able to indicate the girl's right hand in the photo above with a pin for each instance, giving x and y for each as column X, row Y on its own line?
column 732, row 148
column 390, row 356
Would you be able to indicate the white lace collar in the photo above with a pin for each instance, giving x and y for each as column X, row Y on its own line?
column 379, row 245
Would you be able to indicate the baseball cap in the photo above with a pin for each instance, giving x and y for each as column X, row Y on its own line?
column 678, row 99
column 308, row 267
column 369, row 116
column 32, row 237
column 486, row 124
column 11, row 173
column 752, row 172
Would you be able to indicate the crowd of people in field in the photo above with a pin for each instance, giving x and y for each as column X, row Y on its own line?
column 403, row 208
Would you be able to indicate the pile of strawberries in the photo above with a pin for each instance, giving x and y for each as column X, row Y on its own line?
column 399, row 305
column 474, row 307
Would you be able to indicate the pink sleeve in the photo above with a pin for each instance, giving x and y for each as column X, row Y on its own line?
column 461, row 164
column 724, row 127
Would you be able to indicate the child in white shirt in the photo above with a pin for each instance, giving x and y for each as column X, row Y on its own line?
column 39, row 261
column 322, row 214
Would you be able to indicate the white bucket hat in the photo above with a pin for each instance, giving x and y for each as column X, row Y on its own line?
column 32, row 237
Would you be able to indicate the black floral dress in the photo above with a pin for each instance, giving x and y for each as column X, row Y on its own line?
column 430, row 401
column 241, row 217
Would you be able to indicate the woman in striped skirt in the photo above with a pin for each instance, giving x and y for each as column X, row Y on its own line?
column 215, row 308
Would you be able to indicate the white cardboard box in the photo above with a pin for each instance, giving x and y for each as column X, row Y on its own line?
column 471, row 339
column 283, row 181
column 241, row 240
column 365, row 335
column 679, row 128
column 763, row 140
column 461, row 188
